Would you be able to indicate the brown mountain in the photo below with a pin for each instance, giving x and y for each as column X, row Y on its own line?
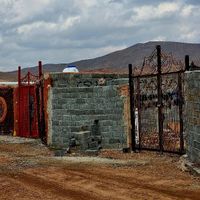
column 119, row 60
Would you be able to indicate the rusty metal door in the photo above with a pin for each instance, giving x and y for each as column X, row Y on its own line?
column 28, row 112
column 30, row 105
column 6, row 111
column 156, row 100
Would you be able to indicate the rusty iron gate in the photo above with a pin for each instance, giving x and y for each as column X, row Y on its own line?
column 156, row 103
column 30, row 106
column 6, row 110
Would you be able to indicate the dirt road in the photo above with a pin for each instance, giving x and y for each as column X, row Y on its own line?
column 30, row 171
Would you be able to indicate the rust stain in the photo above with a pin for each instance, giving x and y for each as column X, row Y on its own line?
column 124, row 91
column 174, row 126
column 47, row 85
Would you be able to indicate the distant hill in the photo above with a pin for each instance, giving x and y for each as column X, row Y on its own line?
column 119, row 60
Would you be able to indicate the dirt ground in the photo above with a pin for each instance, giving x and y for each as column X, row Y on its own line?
column 29, row 170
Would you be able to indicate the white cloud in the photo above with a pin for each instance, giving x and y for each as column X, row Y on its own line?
column 159, row 38
column 1, row 39
column 187, row 10
column 34, row 27
column 16, row 11
column 69, row 22
column 149, row 12
column 168, row 7
column 189, row 35
column 45, row 27
column 85, row 4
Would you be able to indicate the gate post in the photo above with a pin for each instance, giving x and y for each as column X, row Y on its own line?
column 41, row 100
column 29, row 103
column 40, row 69
column 139, row 111
column 187, row 63
column 180, row 94
column 19, row 85
column 159, row 90
column 132, row 107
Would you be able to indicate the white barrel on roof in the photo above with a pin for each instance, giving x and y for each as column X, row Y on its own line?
column 70, row 68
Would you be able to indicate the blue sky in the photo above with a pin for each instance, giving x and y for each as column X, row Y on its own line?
column 62, row 31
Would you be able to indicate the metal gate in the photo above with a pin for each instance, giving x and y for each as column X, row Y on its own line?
column 30, row 106
column 6, row 110
column 156, row 103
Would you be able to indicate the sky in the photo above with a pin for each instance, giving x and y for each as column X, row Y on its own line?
column 63, row 31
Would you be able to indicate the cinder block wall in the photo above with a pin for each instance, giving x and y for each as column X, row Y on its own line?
column 75, row 101
column 192, row 114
